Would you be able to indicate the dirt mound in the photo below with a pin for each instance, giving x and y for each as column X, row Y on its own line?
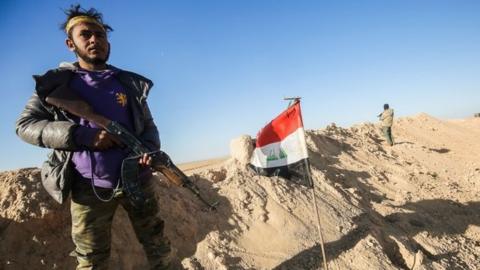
column 411, row 206
column 35, row 230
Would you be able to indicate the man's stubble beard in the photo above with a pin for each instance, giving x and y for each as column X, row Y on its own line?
column 90, row 60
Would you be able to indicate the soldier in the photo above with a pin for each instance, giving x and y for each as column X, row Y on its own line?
column 387, row 121
column 86, row 160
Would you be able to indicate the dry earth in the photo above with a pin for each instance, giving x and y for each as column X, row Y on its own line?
column 412, row 206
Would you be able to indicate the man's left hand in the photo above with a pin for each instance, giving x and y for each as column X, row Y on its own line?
column 145, row 160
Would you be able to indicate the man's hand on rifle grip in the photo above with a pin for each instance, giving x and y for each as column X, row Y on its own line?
column 145, row 160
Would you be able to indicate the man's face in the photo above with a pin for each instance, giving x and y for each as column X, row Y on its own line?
column 90, row 43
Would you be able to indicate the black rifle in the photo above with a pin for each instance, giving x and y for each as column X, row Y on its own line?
column 65, row 99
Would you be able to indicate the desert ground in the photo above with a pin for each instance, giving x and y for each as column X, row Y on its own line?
column 415, row 205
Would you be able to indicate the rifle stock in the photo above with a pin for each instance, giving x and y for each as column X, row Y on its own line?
column 67, row 100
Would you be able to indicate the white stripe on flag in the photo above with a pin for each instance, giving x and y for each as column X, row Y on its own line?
column 294, row 148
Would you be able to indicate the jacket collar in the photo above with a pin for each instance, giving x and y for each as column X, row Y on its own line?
column 75, row 66
column 139, row 85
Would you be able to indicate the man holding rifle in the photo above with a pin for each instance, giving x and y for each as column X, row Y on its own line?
column 86, row 159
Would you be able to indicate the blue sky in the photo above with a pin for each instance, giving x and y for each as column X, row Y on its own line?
column 221, row 68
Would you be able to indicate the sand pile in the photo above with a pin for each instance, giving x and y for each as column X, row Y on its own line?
column 413, row 206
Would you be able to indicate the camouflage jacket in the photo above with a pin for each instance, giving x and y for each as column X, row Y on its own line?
column 46, row 126
column 387, row 118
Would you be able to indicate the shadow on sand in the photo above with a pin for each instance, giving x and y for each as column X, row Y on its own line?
column 426, row 216
column 404, row 142
column 440, row 150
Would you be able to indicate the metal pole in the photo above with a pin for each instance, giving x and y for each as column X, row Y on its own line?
column 292, row 101
column 319, row 226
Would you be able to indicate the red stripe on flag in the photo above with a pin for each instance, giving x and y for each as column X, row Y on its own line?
column 280, row 127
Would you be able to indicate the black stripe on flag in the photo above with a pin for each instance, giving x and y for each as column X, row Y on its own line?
column 297, row 172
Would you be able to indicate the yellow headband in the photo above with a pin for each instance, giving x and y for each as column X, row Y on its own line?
column 81, row 19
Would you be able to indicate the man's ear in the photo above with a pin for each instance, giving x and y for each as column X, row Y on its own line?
column 70, row 44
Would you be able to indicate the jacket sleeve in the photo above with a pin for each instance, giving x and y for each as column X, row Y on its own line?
column 150, row 136
column 37, row 126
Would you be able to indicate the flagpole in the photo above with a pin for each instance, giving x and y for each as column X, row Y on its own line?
column 319, row 226
column 293, row 101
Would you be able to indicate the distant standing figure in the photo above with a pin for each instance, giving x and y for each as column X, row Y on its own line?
column 387, row 121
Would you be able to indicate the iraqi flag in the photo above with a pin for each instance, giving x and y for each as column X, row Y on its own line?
column 280, row 148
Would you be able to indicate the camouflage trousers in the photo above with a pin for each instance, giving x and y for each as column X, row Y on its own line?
column 92, row 222
column 387, row 132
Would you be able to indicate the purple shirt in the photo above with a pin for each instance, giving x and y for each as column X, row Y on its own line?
column 108, row 97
